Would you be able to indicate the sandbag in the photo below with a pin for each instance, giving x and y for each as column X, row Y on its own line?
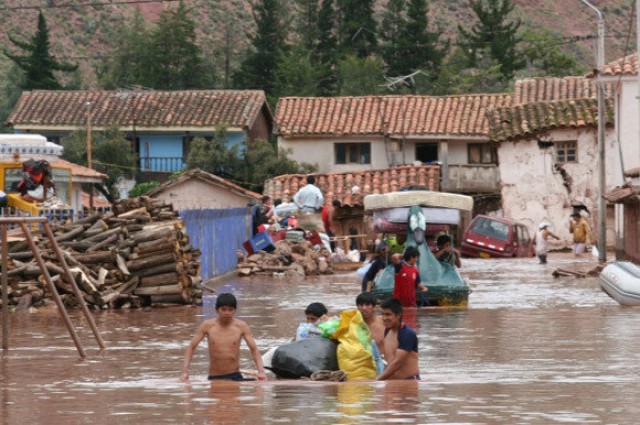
column 355, row 352
column 302, row 358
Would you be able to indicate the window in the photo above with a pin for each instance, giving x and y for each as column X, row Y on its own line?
column 427, row 152
column 482, row 153
column 353, row 153
column 566, row 151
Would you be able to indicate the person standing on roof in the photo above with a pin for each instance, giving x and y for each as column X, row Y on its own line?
column 309, row 198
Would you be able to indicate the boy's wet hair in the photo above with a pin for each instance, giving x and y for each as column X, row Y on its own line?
column 394, row 305
column 226, row 300
column 442, row 240
column 316, row 310
column 410, row 252
column 311, row 179
column 366, row 298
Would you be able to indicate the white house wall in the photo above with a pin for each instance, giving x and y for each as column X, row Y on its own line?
column 627, row 119
column 532, row 190
column 196, row 194
column 321, row 153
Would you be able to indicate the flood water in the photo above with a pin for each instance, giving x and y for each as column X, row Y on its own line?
column 530, row 349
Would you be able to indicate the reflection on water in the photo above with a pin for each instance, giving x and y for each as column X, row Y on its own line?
column 530, row 349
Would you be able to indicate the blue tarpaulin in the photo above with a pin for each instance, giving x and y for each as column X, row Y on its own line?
column 218, row 233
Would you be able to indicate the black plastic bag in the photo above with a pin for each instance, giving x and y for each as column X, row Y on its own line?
column 302, row 358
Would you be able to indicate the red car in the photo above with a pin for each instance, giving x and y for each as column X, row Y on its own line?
column 488, row 237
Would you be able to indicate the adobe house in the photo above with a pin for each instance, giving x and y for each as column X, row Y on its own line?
column 198, row 190
column 159, row 124
column 627, row 200
column 547, row 149
column 365, row 133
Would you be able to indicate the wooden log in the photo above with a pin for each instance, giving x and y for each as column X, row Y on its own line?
column 97, row 227
column 105, row 297
column 154, row 244
column 110, row 240
column 104, row 235
column 129, row 286
column 152, row 234
column 159, row 280
column 80, row 246
column 95, row 257
column 137, row 211
column 152, row 261
column 159, row 290
column 176, row 266
column 122, row 264
column 163, row 251
column 72, row 234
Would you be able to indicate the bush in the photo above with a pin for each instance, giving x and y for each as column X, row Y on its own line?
column 142, row 188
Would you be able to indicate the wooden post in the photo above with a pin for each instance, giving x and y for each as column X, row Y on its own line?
column 54, row 291
column 76, row 290
column 5, row 288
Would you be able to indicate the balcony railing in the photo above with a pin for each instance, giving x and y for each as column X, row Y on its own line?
column 155, row 164
column 472, row 178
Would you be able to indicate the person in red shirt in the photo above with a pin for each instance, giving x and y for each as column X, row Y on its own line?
column 407, row 277
column 327, row 219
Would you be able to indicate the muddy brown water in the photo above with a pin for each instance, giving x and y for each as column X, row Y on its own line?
column 530, row 349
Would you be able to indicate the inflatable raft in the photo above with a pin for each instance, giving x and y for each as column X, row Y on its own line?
column 621, row 281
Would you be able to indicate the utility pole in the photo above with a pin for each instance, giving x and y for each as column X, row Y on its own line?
column 602, row 206
column 89, row 159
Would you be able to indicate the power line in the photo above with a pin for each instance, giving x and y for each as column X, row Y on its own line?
column 92, row 4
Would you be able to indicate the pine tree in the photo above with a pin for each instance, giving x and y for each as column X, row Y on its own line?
column 357, row 28
column 326, row 55
column 258, row 70
column 307, row 23
column 410, row 46
column 37, row 63
column 495, row 32
column 175, row 59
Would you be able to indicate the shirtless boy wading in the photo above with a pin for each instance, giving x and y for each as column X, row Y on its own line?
column 224, row 334
column 400, row 344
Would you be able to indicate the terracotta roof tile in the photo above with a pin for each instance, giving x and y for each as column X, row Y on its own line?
column 340, row 185
column 509, row 123
column 627, row 65
column 387, row 115
column 532, row 90
column 208, row 178
column 623, row 194
column 186, row 108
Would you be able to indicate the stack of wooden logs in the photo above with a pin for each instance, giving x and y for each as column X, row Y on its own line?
column 138, row 255
column 291, row 259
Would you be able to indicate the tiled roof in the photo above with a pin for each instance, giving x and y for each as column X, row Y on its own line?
column 532, row 90
column 340, row 186
column 208, row 178
column 177, row 109
column 623, row 194
column 627, row 65
column 98, row 202
column 79, row 171
column 523, row 120
column 387, row 115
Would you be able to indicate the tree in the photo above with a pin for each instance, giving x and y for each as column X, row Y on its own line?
column 457, row 77
column 176, row 59
column 258, row 70
column 37, row 63
column 544, row 57
column 247, row 167
column 326, row 55
column 296, row 75
column 307, row 23
column 357, row 28
column 110, row 151
column 410, row 46
column 128, row 59
column 360, row 76
column 493, row 34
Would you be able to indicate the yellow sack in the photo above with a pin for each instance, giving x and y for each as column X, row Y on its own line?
column 354, row 349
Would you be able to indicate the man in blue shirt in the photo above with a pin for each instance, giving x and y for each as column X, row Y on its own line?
column 309, row 198
column 400, row 345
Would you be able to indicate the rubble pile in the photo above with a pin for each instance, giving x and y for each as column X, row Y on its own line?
column 294, row 259
column 138, row 255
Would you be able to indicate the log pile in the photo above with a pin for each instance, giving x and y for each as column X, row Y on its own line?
column 289, row 259
column 138, row 255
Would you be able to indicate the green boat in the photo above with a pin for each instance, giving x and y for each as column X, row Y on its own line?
column 446, row 286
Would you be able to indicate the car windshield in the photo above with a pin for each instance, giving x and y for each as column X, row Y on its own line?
column 491, row 228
